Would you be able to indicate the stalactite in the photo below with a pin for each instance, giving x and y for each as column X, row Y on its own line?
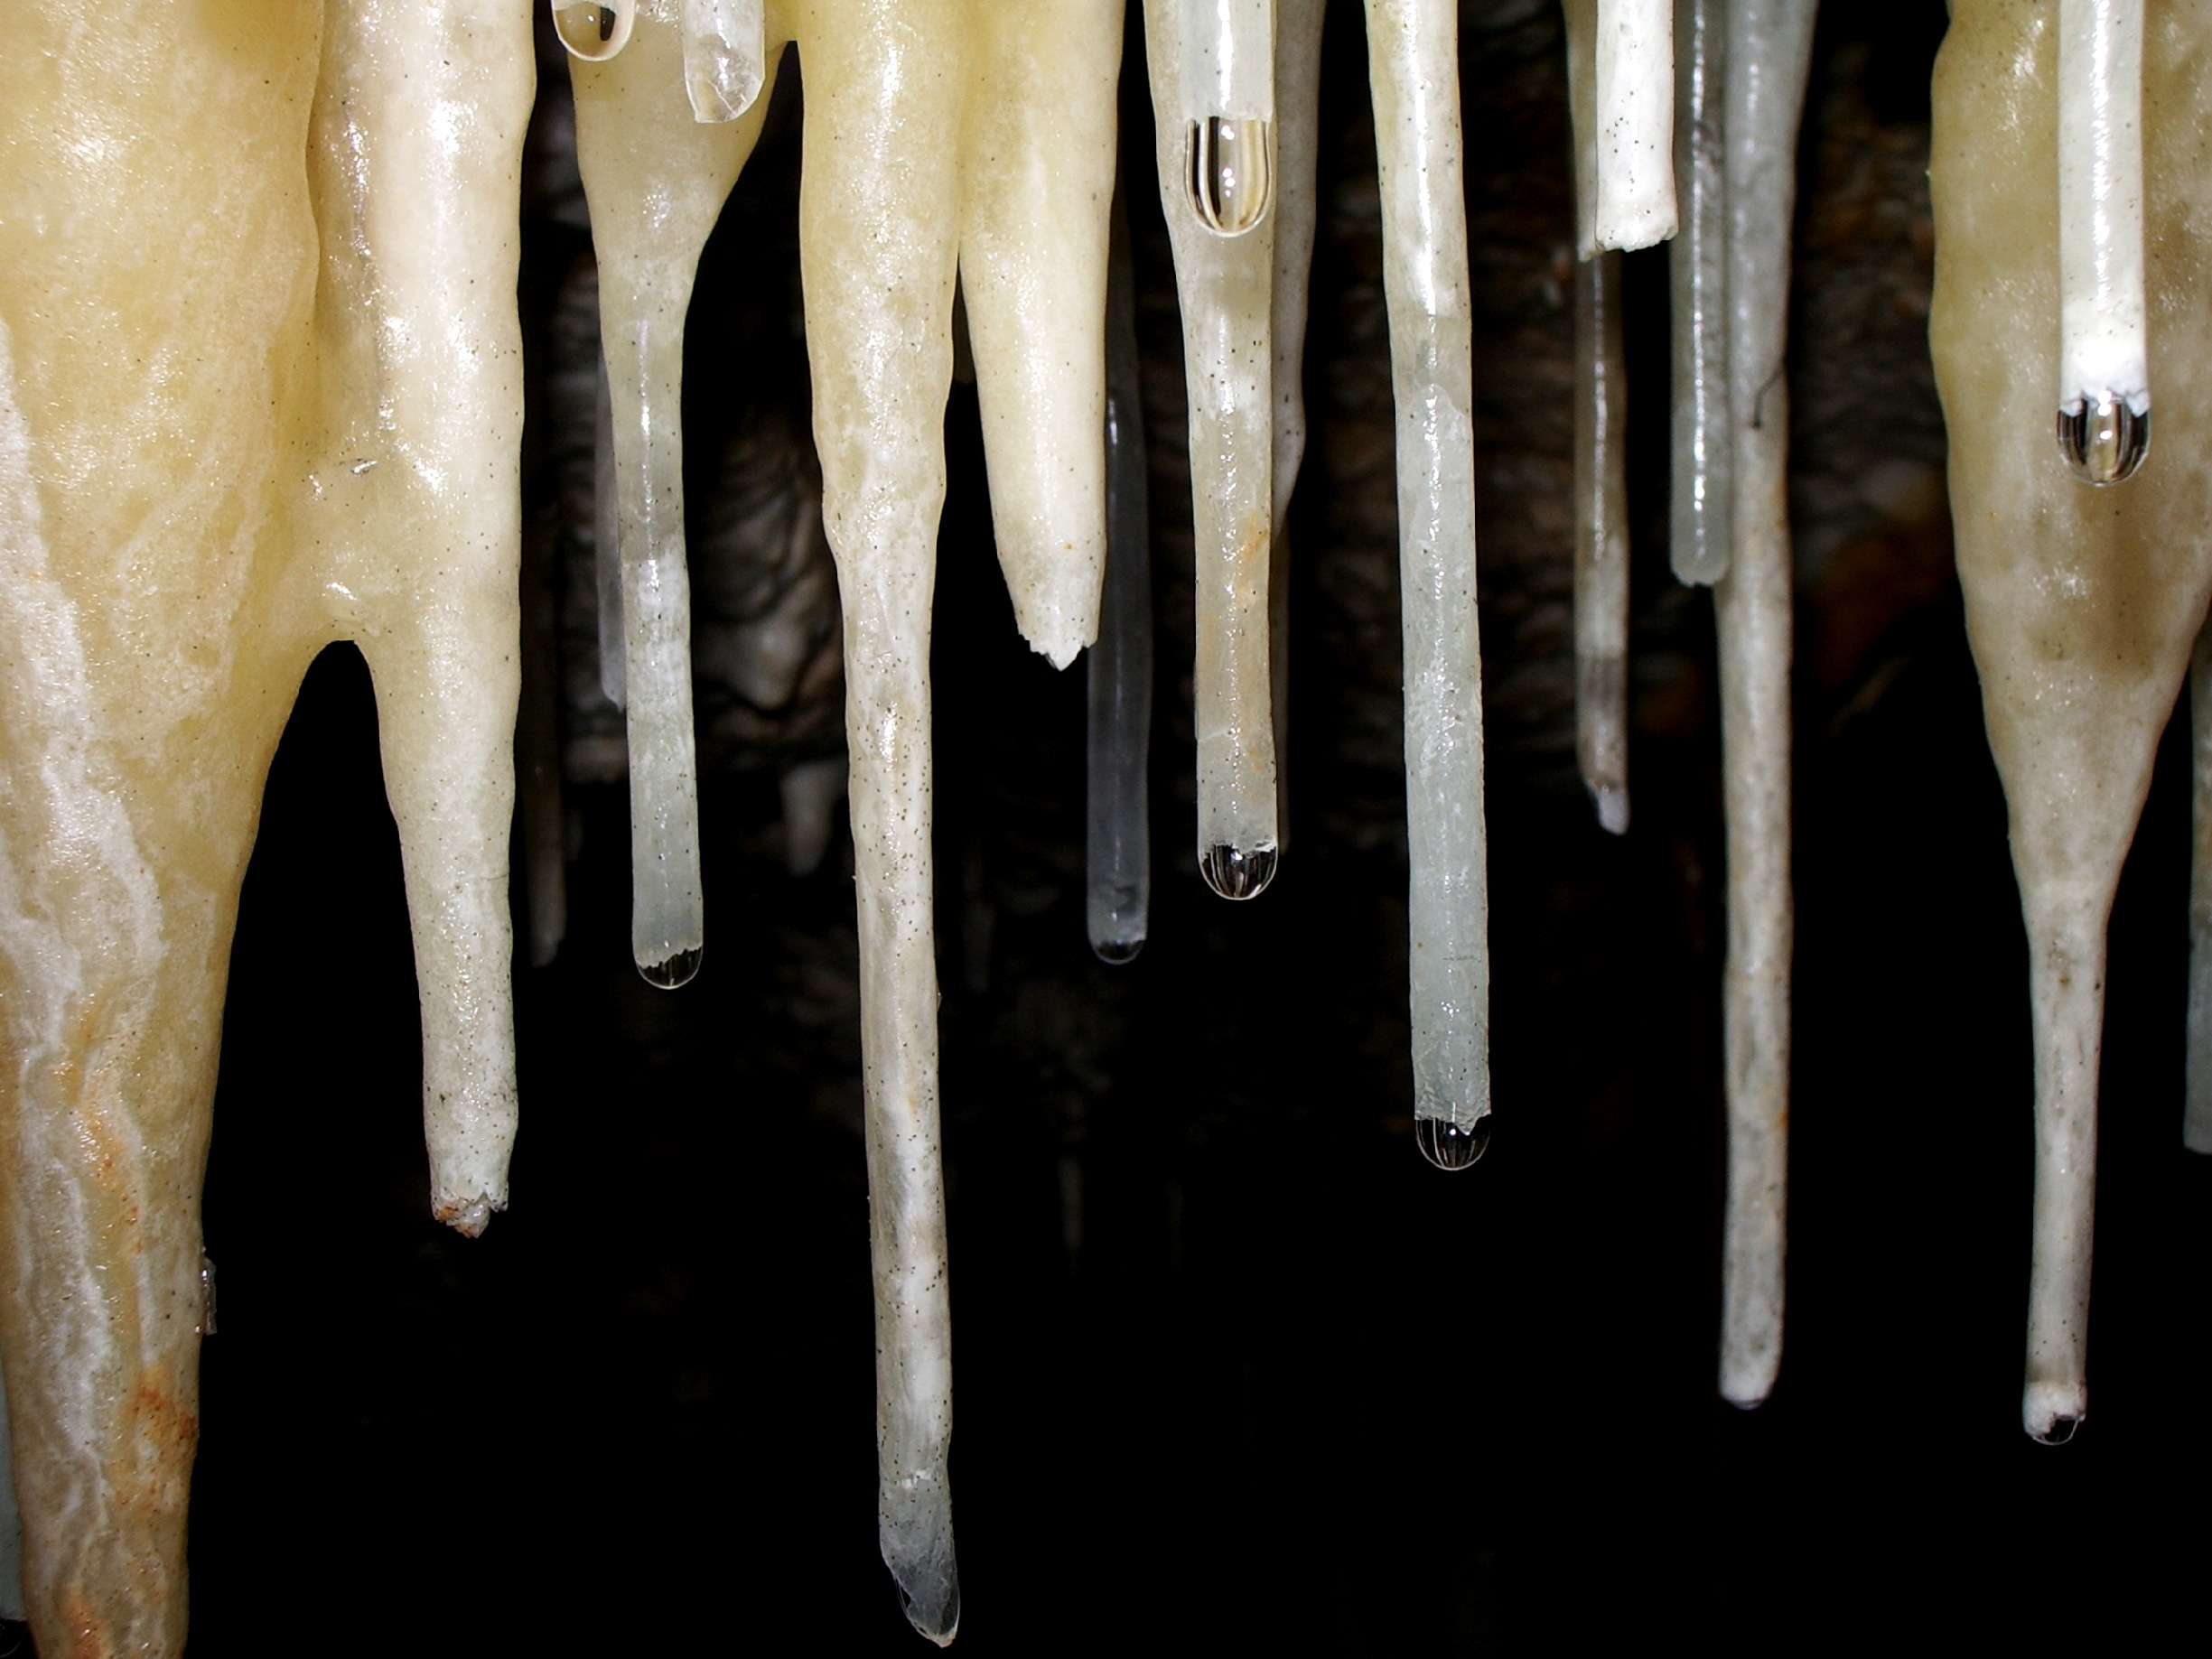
column 1768, row 53
column 2083, row 604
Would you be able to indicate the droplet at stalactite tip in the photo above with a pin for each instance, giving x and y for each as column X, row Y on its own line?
column 1234, row 873
column 592, row 31
column 1449, row 1144
column 672, row 971
column 1228, row 92
column 1232, row 173
column 2104, row 443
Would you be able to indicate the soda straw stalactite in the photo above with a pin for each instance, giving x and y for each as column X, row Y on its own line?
column 1118, row 842
column 1768, row 53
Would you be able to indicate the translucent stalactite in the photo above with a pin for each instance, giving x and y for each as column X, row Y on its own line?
column 1117, row 856
column 1413, row 56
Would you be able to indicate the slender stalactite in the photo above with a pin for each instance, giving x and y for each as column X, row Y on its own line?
column 537, row 750
column 1118, row 878
column 1216, row 189
column 2197, row 1113
column 607, row 543
column 1601, row 540
column 1413, row 56
column 657, row 180
column 1702, row 495
column 1769, row 50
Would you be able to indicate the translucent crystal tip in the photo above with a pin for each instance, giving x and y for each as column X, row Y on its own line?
column 2104, row 442
column 1450, row 1145
column 1118, row 951
column 1613, row 810
column 932, row 1604
column 1235, row 873
column 672, row 971
column 2057, row 1433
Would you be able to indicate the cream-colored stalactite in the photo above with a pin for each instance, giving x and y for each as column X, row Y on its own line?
column 887, row 209
column 657, row 178
column 1768, row 53
column 2082, row 604
column 942, row 136
column 1626, row 171
column 1223, row 238
column 1036, row 178
column 260, row 389
column 1413, row 79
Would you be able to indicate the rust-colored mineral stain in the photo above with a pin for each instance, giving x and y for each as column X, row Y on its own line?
column 1252, row 550
column 164, row 1425
column 88, row 1638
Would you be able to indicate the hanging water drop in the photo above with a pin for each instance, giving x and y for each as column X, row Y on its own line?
column 1231, row 172
column 594, row 32
column 1228, row 110
column 1236, row 874
column 1451, row 1145
column 2104, row 442
column 672, row 971
column 2059, row 1433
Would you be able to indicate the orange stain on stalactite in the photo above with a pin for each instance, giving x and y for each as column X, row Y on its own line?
column 1253, row 552
column 163, row 1423
column 88, row 1638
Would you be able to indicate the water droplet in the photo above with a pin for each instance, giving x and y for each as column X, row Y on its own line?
column 2060, row 1432
column 1117, row 951
column 2104, row 442
column 1450, row 1145
column 673, row 971
column 1235, row 873
column 594, row 32
column 1231, row 171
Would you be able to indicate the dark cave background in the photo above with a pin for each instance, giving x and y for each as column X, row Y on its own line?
column 1236, row 1367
